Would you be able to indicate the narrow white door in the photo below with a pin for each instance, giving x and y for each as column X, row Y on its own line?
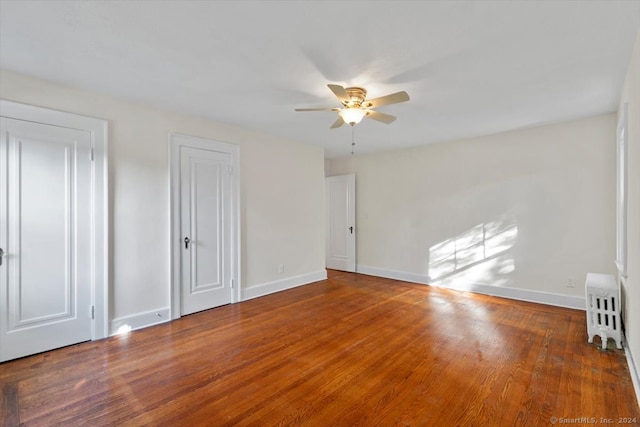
column 45, row 236
column 205, row 223
column 341, row 222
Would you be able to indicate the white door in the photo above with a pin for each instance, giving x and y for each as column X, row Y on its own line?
column 341, row 222
column 205, row 237
column 45, row 234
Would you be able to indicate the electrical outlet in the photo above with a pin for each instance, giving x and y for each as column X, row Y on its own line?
column 280, row 268
column 571, row 283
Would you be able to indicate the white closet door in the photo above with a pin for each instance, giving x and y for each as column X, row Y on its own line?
column 341, row 222
column 45, row 237
column 205, row 195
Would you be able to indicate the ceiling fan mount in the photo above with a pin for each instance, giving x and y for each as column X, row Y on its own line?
column 355, row 105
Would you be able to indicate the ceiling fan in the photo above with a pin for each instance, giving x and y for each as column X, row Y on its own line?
column 355, row 106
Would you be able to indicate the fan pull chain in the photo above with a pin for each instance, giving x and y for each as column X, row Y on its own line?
column 353, row 142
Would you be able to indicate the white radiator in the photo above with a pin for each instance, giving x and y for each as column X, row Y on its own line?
column 603, row 308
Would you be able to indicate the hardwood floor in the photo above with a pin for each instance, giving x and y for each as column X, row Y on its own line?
column 353, row 350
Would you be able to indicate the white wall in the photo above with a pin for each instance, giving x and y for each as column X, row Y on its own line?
column 631, row 287
column 545, row 197
column 282, row 194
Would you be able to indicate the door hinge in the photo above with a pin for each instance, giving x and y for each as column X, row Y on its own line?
column 230, row 169
column 93, row 311
column 232, row 283
column 91, row 154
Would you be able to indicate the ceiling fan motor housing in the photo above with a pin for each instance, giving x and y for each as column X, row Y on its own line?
column 357, row 96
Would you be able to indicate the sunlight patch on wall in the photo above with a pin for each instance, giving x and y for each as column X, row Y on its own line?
column 480, row 254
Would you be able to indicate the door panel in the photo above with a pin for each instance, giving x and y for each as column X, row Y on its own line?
column 46, row 200
column 44, row 241
column 205, row 213
column 341, row 222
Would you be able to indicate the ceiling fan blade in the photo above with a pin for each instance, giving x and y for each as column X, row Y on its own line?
column 337, row 123
column 340, row 92
column 317, row 109
column 394, row 98
column 381, row 117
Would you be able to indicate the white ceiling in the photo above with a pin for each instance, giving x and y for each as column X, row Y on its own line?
column 471, row 67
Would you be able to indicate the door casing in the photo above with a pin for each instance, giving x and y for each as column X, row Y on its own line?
column 98, row 129
column 175, row 142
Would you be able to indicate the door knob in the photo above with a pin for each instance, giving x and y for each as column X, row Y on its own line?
column 186, row 242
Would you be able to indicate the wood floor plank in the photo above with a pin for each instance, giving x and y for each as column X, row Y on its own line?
column 353, row 350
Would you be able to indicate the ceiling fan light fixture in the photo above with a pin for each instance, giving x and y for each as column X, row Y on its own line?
column 352, row 115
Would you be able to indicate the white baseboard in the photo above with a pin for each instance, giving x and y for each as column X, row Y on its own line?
column 498, row 291
column 547, row 298
column 393, row 274
column 139, row 320
column 633, row 370
column 281, row 285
